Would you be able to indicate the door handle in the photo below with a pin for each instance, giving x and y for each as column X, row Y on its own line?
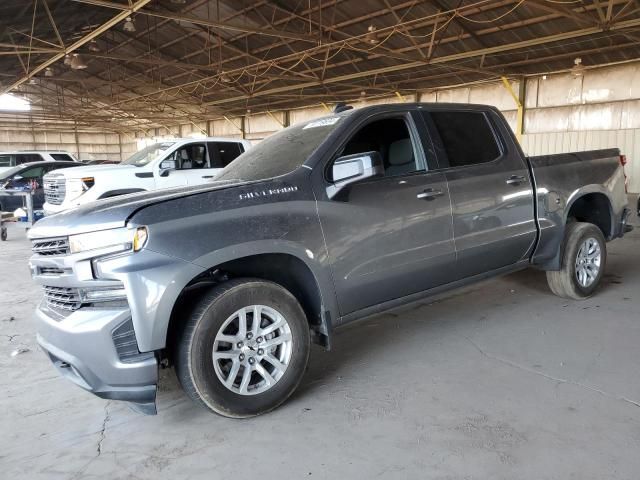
column 429, row 194
column 207, row 176
column 515, row 180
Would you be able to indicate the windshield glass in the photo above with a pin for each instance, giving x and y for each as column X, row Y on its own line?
column 147, row 155
column 282, row 152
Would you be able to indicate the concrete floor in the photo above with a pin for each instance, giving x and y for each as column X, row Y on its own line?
column 501, row 380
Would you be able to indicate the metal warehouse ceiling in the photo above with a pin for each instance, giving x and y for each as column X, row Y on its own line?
column 178, row 61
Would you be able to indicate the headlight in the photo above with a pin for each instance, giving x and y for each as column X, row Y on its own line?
column 119, row 239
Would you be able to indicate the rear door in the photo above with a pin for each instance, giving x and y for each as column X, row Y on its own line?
column 491, row 194
column 391, row 236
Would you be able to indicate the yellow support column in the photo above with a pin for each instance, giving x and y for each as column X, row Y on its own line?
column 519, row 99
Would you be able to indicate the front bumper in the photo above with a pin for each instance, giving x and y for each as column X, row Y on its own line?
column 81, row 347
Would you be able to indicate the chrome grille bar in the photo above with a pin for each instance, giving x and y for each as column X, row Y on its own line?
column 50, row 246
column 63, row 298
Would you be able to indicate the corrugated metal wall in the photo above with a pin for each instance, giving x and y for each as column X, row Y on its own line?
column 599, row 109
column 82, row 144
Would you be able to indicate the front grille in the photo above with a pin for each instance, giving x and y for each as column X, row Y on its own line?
column 50, row 246
column 124, row 339
column 62, row 298
column 55, row 189
column 51, row 271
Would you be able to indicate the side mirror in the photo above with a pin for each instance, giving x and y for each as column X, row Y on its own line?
column 354, row 168
column 166, row 166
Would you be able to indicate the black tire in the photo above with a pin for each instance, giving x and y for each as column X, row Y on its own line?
column 564, row 282
column 193, row 357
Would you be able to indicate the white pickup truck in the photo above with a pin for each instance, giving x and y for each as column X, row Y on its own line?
column 173, row 163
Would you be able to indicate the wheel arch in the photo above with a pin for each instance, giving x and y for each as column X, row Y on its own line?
column 592, row 205
column 578, row 207
column 304, row 280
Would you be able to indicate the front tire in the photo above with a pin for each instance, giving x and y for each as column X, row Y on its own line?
column 583, row 262
column 244, row 348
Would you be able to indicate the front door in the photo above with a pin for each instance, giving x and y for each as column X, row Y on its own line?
column 390, row 236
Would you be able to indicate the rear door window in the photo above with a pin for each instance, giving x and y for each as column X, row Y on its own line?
column 223, row 153
column 467, row 137
column 6, row 161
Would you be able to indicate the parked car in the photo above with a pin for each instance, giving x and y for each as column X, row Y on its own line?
column 320, row 224
column 12, row 159
column 25, row 176
column 175, row 163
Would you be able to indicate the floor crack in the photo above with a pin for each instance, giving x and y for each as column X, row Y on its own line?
column 107, row 417
column 550, row 377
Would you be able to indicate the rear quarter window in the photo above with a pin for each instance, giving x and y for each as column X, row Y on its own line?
column 61, row 157
column 467, row 137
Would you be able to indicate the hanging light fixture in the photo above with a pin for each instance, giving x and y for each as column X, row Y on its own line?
column 48, row 72
column 129, row 26
column 67, row 59
column 77, row 63
column 578, row 69
column 93, row 46
column 372, row 36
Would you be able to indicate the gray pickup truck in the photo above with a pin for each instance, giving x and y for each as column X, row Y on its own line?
column 321, row 224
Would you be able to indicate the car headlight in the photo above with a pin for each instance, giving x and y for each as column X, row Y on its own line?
column 78, row 186
column 118, row 239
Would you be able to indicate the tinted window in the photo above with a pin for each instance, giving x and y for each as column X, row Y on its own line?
column 27, row 158
column 390, row 137
column 467, row 137
column 61, row 156
column 223, row 153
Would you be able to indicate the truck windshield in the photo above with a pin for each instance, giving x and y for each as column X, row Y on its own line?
column 147, row 155
column 282, row 152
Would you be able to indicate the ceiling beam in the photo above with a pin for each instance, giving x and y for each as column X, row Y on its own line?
column 167, row 15
column 82, row 41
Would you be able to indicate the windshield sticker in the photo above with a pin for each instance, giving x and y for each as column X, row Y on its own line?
column 325, row 122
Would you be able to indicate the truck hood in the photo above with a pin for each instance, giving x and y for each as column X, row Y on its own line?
column 113, row 212
column 90, row 170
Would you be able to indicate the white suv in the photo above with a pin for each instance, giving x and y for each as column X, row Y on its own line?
column 173, row 163
column 12, row 159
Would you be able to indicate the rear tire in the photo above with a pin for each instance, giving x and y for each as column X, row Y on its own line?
column 242, row 371
column 584, row 259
